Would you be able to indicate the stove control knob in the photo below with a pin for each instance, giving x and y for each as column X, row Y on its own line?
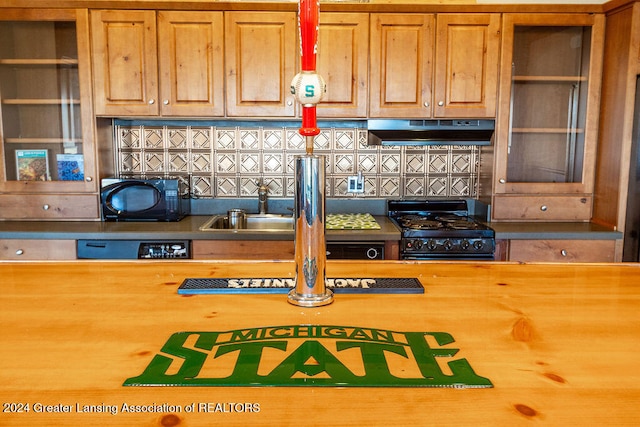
column 478, row 244
column 417, row 244
column 448, row 245
column 464, row 245
column 432, row 245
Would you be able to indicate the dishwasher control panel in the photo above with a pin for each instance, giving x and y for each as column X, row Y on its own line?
column 163, row 250
column 134, row 249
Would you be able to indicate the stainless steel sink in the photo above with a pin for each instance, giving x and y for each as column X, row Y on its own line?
column 254, row 222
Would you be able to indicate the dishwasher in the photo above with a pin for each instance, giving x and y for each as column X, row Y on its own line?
column 134, row 249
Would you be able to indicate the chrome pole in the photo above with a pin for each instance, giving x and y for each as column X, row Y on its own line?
column 310, row 246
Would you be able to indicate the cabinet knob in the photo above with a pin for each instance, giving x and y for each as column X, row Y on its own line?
column 152, row 101
column 563, row 252
column 88, row 179
column 426, row 104
column 543, row 208
column 165, row 102
column 289, row 103
column 502, row 181
column 19, row 252
column 45, row 207
column 440, row 103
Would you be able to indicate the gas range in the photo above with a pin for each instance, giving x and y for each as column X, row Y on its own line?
column 440, row 229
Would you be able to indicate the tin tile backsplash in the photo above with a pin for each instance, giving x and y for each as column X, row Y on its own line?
column 231, row 161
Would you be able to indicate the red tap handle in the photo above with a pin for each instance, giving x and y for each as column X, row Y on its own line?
column 309, row 15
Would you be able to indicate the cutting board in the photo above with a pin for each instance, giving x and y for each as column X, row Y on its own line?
column 358, row 221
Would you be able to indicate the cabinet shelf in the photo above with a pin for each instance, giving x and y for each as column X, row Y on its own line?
column 32, row 62
column 547, row 130
column 42, row 140
column 567, row 79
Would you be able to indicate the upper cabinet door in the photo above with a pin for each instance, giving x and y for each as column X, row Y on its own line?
column 546, row 134
column 401, row 65
column 46, row 118
column 260, row 59
column 466, row 65
column 191, row 58
column 343, row 60
column 124, row 62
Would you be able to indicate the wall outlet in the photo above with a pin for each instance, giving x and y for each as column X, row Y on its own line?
column 355, row 184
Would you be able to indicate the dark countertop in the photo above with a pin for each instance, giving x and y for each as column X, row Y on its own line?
column 553, row 230
column 188, row 228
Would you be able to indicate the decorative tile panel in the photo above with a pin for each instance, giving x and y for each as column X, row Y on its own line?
column 177, row 139
column 201, row 138
column 226, row 186
column 129, row 138
column 153, row 138
column 201, row 162
column 226, row 162
column 250, row 163
column 230, row 162
column 201, row 186
column 368, row 162
column 225, row 139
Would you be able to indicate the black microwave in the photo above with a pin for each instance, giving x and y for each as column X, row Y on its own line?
column 130, row 199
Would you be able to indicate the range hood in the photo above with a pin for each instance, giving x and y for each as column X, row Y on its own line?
column 430, row 132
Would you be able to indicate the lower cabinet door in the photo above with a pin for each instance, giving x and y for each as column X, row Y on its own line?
column 50, row 206
column 242, row 249
column 36, row 249
column 562, row 250
column 541, row 208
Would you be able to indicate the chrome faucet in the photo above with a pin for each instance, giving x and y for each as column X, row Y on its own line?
column 263, row 190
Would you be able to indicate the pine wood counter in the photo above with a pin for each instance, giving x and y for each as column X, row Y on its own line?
column 560, row 343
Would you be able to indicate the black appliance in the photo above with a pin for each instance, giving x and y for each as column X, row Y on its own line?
column 440, row 230
column 430, row 132
column 132, row 199
column 134, row 249
column 355, row 250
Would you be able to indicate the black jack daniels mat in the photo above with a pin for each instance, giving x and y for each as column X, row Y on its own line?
column 203, row 286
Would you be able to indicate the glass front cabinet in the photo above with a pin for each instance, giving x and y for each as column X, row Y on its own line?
column 546, row 133
column 46, row 116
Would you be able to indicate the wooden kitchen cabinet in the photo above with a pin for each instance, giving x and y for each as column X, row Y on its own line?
column 261, row 49
column 47, row 132
column 343, row 61
column 562, row 250
column 24, row 249
column 242, row 249
column 125, row 65
column 546, row 135
column 409, row 78
column 148, row 64
column 466, row 65
column 401, row 65
column 190, row 58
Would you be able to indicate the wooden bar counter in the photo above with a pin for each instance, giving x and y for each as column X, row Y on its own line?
column 560, row 344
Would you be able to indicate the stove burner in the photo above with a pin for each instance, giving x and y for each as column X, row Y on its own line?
column 437, row 222
column 418, row 222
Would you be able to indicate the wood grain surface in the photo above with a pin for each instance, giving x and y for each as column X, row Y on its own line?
column 559, row 342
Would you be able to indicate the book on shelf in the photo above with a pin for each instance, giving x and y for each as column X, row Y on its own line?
column 70, row 167
column 32, row 165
